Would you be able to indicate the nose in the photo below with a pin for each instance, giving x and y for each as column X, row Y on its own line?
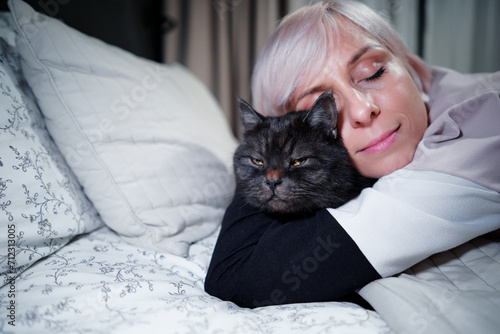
column 273, row 178
column 360, row 108
column 273, row 183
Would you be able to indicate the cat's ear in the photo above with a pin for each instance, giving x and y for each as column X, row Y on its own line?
column 249, row 117
column 323, row 113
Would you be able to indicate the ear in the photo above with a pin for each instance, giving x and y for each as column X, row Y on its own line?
column 249, row 117
column 324, row 112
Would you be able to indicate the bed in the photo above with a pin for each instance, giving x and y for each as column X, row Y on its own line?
column 115, row 172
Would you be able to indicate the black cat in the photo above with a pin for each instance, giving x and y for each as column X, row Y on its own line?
column 295, row 163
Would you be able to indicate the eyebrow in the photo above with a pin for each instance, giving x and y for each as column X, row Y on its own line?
column 363, row 51
column 311, row 91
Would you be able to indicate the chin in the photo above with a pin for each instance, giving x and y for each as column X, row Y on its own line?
column 279, row 206
column 385, row 166
column 394, row 167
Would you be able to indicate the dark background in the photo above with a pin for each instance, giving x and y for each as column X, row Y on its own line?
column 137, row 26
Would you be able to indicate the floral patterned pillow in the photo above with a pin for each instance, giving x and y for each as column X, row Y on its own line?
column 42, row 206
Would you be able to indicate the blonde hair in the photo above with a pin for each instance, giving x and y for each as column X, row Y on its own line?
column 299, row 48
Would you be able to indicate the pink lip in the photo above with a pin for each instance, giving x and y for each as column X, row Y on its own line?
column 381, row 143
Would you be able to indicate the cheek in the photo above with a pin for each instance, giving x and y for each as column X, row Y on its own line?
column 402, row 98
column 413, row 108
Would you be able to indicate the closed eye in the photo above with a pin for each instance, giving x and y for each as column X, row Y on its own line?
column 377, row 74
column 298, row 162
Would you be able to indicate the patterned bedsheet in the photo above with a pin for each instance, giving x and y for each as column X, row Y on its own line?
column 100, row 284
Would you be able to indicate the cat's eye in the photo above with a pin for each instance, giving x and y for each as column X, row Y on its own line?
column 299, row 162
column 257, row 162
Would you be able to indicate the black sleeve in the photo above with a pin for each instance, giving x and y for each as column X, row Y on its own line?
column 261, row 260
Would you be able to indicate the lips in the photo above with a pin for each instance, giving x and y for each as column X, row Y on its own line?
column 381, row 143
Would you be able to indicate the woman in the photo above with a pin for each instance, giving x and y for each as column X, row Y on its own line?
column 432, row 137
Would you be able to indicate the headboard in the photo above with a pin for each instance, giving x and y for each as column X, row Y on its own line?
column 136, row 26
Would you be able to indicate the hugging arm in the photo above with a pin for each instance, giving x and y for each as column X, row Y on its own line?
column 406, row 217
column 260, row 260
column 410, row 215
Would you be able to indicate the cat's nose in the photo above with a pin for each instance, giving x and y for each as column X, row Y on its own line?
column 273, row 178
column 273, row 183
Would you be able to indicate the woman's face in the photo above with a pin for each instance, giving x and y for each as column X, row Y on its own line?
column 382, row 116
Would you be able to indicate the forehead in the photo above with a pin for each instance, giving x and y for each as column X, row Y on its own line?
column 346, row 50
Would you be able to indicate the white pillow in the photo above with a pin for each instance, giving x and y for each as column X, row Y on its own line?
column 147, row 141
column 453, row 292
column 42, row 205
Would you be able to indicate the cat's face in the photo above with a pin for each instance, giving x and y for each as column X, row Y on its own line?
column 285, row 164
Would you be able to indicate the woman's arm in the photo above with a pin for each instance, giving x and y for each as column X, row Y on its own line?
column 260, row 260
column 410, row 215
column 406, row 217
